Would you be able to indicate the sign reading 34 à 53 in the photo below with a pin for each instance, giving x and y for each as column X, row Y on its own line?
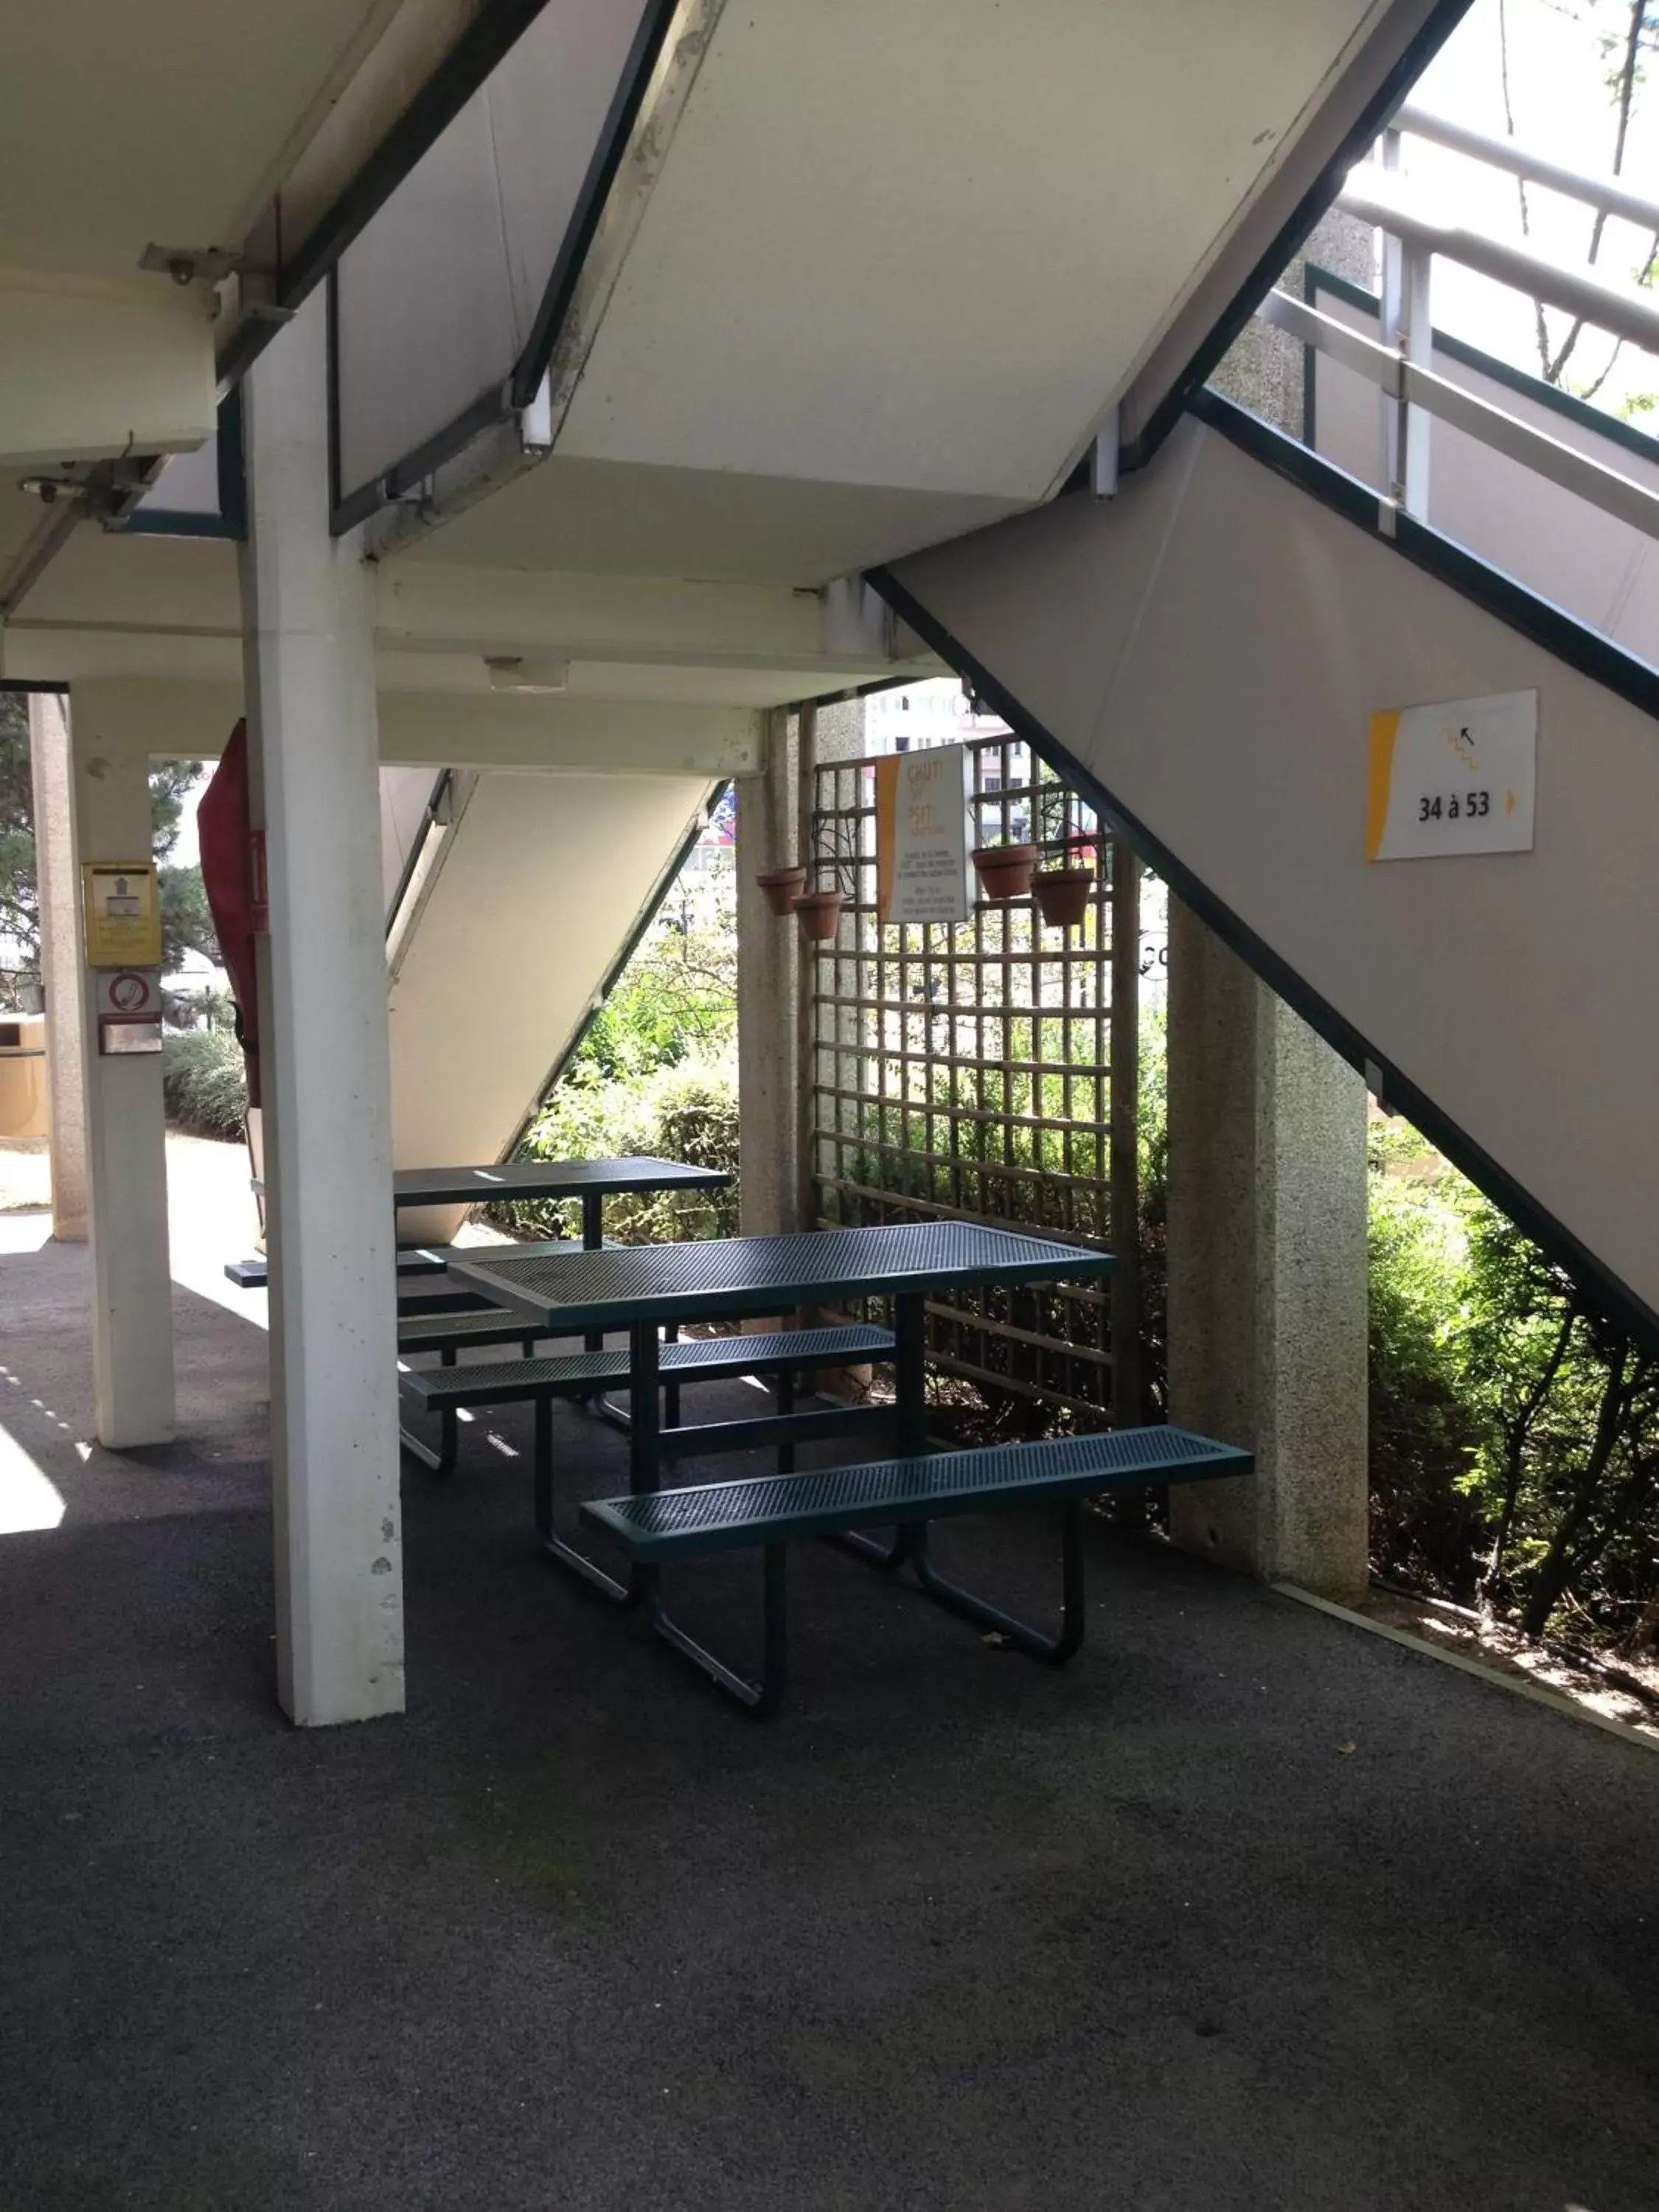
column 1453, row 779
column 922, row 836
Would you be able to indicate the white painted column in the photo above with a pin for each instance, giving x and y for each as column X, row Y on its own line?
column 125, row 1124
column 310, row 686
column 1267, row 1272
column 52, row 774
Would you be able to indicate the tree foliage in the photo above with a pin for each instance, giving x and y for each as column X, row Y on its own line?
column 677, row 998
column 1626, row 32
column 1515, row 1428
column 186, row 922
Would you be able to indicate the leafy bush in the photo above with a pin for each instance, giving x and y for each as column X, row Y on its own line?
column 204, row 1083
column 1425, row 1525
column 677, row 999
column 1515, row 1433
column 687, row 1111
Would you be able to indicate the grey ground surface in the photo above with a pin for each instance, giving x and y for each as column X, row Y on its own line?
column 955, row 1931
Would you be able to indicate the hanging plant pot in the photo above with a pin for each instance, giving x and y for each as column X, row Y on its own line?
column 820, row 912
column 1005, row 871
column 782, row 886
column 1062, row 896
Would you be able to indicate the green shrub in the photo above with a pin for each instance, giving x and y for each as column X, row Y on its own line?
column 684, row 1111
column 1424, row 1433
column 1515, row 1432
column 204, row 1083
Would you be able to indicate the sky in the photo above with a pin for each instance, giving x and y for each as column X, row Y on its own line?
column 1562, row 107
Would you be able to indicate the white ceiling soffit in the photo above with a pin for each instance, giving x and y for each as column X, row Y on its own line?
column 436, row 300
column 895, row 264
column 169, row 123
column 162, row 153
column 261, row 136
column 627, row 520
column 929, row 247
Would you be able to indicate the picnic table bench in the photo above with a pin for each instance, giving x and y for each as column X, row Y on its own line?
column 662, row 1526
column 645, row 1288
column 783, row 1354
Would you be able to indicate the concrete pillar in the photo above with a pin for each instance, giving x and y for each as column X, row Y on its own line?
column 1267, row 1272
column 768, row 980
column 52, row 772
column 124, row 1121
column 309, row 672
column 1267, row 1189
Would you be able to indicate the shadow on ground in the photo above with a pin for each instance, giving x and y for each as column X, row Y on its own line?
column 1244, row 1910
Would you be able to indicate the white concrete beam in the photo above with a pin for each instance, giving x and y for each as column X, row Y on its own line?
column 107, row 601
column 440, row 606
column 92, row 368
column 602, row 736
column 591, row 736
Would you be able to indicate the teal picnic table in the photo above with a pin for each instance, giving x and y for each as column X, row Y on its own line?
column 649, row 1289
column 590, row 1182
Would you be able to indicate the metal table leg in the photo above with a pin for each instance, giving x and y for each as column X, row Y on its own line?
column 1057, row 1650
column 639, row 1581
column 911, row 1392
column 439, row 1458
column 592, row 1238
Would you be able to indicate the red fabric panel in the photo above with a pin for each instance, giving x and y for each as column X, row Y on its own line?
column 223, row 826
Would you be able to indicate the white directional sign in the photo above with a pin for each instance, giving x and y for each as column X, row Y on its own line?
column 1453, row 779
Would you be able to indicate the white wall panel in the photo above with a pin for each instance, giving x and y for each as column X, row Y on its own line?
column 927, row 244
column 541, row 882
column 1212, row 646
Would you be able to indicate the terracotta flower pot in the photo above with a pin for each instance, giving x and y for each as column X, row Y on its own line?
column 1005, row 871
column 782, row 886
column 820, row 912
column 1062, row 896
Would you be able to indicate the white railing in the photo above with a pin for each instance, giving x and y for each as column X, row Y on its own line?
column 1415, row 233
column 1407, row 381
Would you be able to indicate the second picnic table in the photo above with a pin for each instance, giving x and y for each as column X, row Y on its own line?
column 590, row 1181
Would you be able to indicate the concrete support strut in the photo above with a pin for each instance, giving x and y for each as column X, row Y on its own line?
column 1267, row 1272
column 309, row 675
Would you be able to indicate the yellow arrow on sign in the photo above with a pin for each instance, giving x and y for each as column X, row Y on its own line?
column 1509, row 804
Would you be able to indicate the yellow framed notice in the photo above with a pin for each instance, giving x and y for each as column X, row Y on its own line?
column 922, row 836
column 121, row 902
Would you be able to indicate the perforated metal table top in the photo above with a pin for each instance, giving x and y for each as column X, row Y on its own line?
column 739, row 1275
column 549, row 1179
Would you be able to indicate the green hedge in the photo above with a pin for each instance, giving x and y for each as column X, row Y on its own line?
column 204, row 1083
column 687, row 1112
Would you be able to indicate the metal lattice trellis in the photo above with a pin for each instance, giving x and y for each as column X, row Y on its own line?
column 966, row 1071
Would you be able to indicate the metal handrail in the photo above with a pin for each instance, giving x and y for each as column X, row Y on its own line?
column 1611, row 194
column 1379, row 196
column 1419, row 387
